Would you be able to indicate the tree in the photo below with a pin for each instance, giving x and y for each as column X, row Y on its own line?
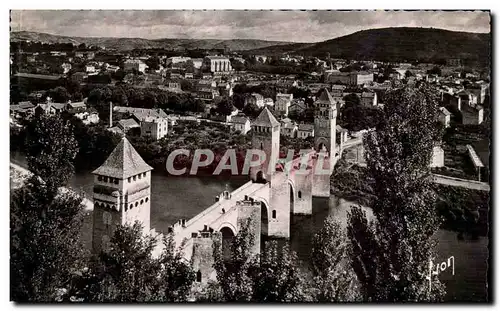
column 225, row 107
column 239, row 101
column 352, row 100
column 408, row 74
column 245, row 278
column 334, row 278
column 435, row 70
column 251, row 110
column 45, row 249
column 45, row 224
column 278, row 277
column 237, row 65
column 187, row 86
column 59, row 95
column 126, row 272
column 391, row 252
column 153, row 63
column 50, row 150
column 177, row 275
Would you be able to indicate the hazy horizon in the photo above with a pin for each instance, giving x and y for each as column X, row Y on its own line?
column 289, row 26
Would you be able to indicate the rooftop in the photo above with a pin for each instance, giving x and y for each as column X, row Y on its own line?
column 123, row 162
column 239, row 119
column 325, row 97
column 306, row 127
column 141, row 111
column 266, row 119
column 444, row 111
column 128, row 123
column 37, row 76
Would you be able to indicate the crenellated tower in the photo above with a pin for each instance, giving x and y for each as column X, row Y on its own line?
column 325, row 122
column 122, row 194
column 266, row 137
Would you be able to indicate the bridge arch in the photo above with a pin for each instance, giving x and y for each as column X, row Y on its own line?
column 321, row 143
column 228, row 233
column 228, row 225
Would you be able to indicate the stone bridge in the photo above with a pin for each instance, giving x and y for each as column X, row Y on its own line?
column 268, row 205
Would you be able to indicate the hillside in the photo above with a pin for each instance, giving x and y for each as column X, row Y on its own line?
column 140, row 43
column 403, row 43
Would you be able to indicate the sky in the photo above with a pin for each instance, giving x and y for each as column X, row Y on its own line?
column 294, row 26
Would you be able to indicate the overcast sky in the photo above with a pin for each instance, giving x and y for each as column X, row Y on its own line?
column 297, row 26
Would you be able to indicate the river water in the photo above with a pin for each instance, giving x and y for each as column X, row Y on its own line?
column 173, row 198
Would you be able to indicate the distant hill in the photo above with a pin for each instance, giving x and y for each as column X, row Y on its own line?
column 404, row 43
column 139, row 43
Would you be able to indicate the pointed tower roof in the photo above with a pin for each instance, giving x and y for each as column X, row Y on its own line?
column 325, row 97
column 123, row 162
column 266, row 118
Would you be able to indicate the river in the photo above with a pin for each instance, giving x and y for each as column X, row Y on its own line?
column 173, row 198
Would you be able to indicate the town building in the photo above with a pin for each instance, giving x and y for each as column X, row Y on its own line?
column 256, row 99
column 437, row 159
column 369, row 99
column 207, row 94
column 444, row 116
column 348, row 78
column 479, row 90
column 50, row 108
column 472, row 114
column 152, row 122
column 74, row 108
column 22, row 110
column 88, row 118
column 79, row 77
column 206, row 84
column 288, row 128
column 126, row 125
column 297, row 106
column 134, row 64
column 153, row 127
column 177, row 60
column 240, row 123
column 66, row 67
column 90, row 69
column 305, row 130
column 283, row 102
column 197, row 62
column 217, row 64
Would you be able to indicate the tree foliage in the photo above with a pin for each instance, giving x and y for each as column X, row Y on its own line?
column 45, row 246
column 246, row 277
column 355, row 117
column 50, row 150
column 126, row 272
column 391, row 252
column 334, row 278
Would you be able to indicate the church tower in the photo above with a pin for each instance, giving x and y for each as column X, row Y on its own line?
column 122, row 194
column 325, row 122
column 266, row 137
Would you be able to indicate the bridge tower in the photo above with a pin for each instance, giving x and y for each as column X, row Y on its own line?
column 325, row 122
column 266, row 137
column 122, row 194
